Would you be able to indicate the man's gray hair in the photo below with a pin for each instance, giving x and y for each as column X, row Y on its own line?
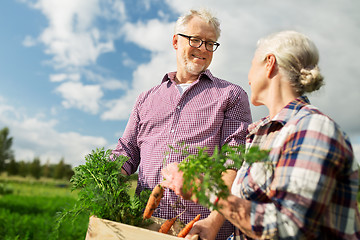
column 206, row 15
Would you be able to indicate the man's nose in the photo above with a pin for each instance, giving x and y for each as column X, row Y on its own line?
column 202, row 47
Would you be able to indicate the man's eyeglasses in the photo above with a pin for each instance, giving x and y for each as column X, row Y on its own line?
column 197, row 42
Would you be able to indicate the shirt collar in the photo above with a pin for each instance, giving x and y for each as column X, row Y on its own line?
column 291, row 109
column 283, row 116
column 204, row 75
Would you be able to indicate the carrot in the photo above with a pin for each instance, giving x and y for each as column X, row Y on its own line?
column 165, row 227
column 188, row 227
column 153, row 201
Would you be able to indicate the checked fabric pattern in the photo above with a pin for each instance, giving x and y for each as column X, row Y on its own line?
column 210, row 112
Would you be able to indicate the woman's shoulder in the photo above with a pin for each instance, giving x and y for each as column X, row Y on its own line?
column 312, row 119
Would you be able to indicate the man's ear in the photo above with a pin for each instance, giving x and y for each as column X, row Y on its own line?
column 270, row 65
column 175, row 41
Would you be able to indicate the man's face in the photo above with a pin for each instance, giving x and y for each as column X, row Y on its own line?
column 192, row 60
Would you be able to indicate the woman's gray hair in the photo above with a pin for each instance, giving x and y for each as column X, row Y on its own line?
column 204, row 14
column 297, row 57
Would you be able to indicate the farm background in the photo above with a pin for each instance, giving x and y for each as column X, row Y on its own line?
column 28, row 208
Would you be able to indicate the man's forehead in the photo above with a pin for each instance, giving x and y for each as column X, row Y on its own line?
column 197, row 27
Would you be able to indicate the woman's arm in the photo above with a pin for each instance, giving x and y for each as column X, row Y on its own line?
column 237, row 211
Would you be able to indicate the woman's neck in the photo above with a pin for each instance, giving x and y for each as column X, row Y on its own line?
column 279, row 95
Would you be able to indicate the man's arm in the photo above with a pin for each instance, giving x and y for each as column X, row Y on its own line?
column 127, row 144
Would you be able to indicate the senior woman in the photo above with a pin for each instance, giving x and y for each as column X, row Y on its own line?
column 311, row 191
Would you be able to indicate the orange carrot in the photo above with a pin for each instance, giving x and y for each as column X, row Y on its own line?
column 165, row 227
column 154, row 201
column 188, row 227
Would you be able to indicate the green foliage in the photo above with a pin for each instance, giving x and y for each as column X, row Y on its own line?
column 203, row 173
column 5, row 147
column 35, row 168
column 5, row 189
column 12, row 168
column 33, row 217
column 103, row 191
column 62, row 170
column 23, row 168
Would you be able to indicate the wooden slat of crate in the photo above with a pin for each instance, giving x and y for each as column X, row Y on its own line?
column 101, row 229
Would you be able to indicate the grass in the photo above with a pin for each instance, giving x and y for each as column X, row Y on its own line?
column 29, row 210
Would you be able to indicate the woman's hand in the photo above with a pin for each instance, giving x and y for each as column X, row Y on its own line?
column 173, row 179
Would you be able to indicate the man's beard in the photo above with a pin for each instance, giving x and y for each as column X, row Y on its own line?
column 193, row 68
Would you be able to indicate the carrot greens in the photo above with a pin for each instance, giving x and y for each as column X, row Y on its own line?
column 104, row 192
column 202, row 173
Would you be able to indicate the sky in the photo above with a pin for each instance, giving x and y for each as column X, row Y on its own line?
column 70, row 70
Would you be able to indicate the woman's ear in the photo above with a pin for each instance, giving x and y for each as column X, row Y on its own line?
column 175, row 41
column 270, row 65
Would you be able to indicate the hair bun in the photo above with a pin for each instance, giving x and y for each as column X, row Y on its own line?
column 311, row 78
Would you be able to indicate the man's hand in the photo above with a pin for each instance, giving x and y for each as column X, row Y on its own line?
column 123, row 172
column 207, row 228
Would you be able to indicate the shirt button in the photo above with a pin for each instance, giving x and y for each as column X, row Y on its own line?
column 172, row 130
column 178, row 107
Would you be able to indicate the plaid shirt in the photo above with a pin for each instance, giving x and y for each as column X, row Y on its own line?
column 311, row 192
column 211, row 112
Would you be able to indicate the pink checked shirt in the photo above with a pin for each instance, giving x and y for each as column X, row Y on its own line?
column 211, row 112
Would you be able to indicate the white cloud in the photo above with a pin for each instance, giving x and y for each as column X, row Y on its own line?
column 128, row 61
column 119, row 109
column 105, row 82
column 113, row 84
column 64, row 76
column 156, row 37
column 78, row 49
column 37, row 137
column 29, row 41
column 75, row 42
column 77, row 95
column 153, row 35
column 58, row 77
column 71, row 37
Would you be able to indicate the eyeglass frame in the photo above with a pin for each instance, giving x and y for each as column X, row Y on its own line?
column 216, row 44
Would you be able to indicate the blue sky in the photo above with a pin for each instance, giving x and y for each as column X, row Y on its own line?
column 71, row 70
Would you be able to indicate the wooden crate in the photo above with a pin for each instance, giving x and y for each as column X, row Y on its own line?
column 100, row 229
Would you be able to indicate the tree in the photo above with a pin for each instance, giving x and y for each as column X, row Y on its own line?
column 23, row 168
column 5, row 147
column 35, row 168
column 47, row 170
column 69, row 172
column 12, row 168
column 62, row 170
column 59, row 169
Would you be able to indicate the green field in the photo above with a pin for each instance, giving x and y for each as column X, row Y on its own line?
column 28, row 210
